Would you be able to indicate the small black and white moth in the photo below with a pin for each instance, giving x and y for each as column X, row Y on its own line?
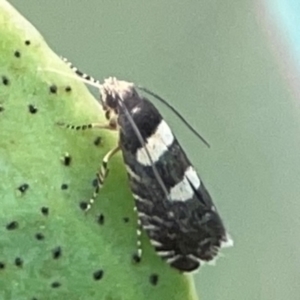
column 173, row 206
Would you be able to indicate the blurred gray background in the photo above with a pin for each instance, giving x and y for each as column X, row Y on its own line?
column 216, row 61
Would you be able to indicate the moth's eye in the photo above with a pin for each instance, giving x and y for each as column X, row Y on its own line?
column 107, row 114
column 112, row 102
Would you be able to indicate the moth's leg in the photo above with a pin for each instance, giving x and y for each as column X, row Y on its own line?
column 108, row 126
column 102, row 173
column 137, row 256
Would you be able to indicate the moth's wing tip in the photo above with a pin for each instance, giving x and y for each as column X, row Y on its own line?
column 228, row 242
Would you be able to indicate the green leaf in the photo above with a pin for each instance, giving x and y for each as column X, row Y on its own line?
column 49, row 247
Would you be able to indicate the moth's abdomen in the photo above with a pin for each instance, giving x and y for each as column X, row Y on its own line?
column 182, row 233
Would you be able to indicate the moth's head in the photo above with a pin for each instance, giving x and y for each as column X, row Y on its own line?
column 114, row 94
column 113, row 91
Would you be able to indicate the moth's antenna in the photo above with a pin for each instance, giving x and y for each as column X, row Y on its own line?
column 79, row 76
column 84, row 77
column 96, row 84
column 79, row 73
column 141, row 140
column 175, row 112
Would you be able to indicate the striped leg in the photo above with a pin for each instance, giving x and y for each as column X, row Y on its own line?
column 137, row 256
column 87, row 126
column 79, row 73
column 102, row 174
column 103, row 171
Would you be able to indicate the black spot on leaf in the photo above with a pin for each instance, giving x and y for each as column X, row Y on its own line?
column 97, row 141
column 83, row 205
column 126, row 219
column 53, row 89
column 98, row 274
column 27, row 42
column 55, row 284
column 64, row 186
column 39, row 236
column 2, row 265
column 32, row 109
column 1, row 108
column 23, row 188
column 18, row 262
column 68, row 89
column 56, row 252
column 153, row 278
column 45, row 211
column 17, row 54
column 100, row 219
column 12, row 225
column 5, row 80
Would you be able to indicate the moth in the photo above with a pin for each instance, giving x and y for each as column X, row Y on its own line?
column 173, row 206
